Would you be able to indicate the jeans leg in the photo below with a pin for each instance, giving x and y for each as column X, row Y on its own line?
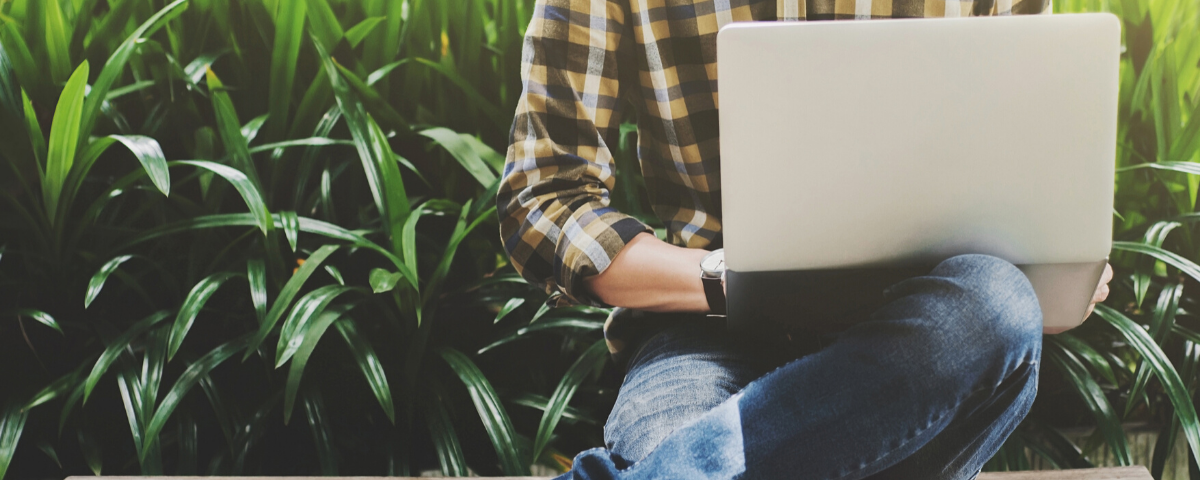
column 947, row 348
column 678, row 375
column 961, row 449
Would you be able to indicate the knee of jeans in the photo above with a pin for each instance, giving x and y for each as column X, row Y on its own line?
column 998, row 309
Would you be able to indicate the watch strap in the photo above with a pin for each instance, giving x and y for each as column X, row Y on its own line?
column 715, row 293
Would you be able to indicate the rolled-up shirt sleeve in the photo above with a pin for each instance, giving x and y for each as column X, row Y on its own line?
column 553, row 202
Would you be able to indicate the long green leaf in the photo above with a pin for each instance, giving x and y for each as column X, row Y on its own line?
column 409, row 236
column 289, row 27
column 445, row 440
column 1160, row 326
column 116, row 64
column 64, row 137
column 324, row 24
column 383, row 45
column 154, row 362
column 128, row 89
column 230, row 131
column 463, row 152
column 336, row 274
column 116, row 347
column 1171, row 258
column 11, row 424
column 571, row 324
column 26, row 69
column 383, row 175
column 508, row 307
column 256, row 274
column 92, row 454
column 495, row 419
column 308, row 308
column 358, row 32
column 189, row 378
column 97, row 281
column 309, row 335
column 145, row 149
column 36, row 138
column 381, row 72
column 1155, row 235
column 368, row 362
column 1107, row 422
column 287, row 293
column 1176, row 391
column 1087, row 354
column 314, row 410
column 195, row 301
column 40, row 317
column 1188, row 141
column 147, row 449
column 373, row 102
column 56, row 388
column 149, row 153
column 593, row 357
column 50, row 451
column 307, row 225
column 251, row 128
column 493, row 158
column 569, row 414
column 291, row 228
column 245, row 186
column 57, row 41
column 316, row 113
column 301, row 142
column 1166, row 443
column 1181, row 167
column 461, row 230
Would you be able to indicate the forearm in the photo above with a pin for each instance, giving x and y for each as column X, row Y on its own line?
column 652, row 275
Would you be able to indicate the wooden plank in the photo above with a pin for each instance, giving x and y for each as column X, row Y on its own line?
column 1124, row 473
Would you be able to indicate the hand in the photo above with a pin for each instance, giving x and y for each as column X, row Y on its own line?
column 1099, row 296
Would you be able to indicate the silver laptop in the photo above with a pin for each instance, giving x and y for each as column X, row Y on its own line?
column 854, row 154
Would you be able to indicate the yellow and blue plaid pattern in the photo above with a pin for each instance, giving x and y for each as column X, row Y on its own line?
column 586, row 60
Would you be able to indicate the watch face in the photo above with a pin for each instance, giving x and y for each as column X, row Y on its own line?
column 713, row 262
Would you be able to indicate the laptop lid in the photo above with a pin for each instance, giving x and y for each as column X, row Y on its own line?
column 891, row 143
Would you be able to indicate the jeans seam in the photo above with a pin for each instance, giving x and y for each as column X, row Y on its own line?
column 956, row 405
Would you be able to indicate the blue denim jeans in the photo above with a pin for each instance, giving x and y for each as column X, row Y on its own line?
column 927, row 388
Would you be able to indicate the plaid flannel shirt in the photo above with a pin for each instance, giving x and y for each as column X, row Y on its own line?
column 582, row 61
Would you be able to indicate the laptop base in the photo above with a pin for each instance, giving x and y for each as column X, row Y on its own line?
column 833, row 300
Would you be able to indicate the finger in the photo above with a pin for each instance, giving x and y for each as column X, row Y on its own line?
column 1107, row 276
column 1089, row 311
column 1101, row 294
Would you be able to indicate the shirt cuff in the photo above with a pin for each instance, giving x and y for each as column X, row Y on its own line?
column 588, row 242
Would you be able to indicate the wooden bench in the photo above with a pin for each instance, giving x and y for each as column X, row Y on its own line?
column 1124, row 473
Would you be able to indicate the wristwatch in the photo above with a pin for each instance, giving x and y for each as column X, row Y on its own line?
column 712, row 273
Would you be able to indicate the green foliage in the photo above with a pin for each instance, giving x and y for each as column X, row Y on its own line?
column 1139, row 362
column 130, row 259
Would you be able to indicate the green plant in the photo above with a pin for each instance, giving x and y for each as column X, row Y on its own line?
column 1137, row 361
column 333, row 158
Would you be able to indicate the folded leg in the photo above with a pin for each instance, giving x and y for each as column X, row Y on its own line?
column 948, row 351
